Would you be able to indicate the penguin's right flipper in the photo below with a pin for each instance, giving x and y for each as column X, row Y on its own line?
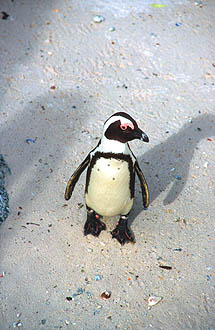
column 144, row 186
column 75, row 177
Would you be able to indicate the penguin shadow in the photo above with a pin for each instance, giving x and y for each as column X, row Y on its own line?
column 35, row 141
column 168, row 163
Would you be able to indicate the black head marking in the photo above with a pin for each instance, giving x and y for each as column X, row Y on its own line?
column 125, row 115
column 122, row 131
column 114, row 132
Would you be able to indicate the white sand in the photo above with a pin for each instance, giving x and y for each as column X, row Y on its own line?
column 163, row 74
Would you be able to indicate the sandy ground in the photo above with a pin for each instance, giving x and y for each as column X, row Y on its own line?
column 62, row 76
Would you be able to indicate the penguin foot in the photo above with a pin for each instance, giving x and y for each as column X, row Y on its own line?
column 93, row 225
column 122, row 233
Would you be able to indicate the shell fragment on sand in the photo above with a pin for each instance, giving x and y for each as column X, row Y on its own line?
column 98, row 19
column 105, row 295
column 154, row 300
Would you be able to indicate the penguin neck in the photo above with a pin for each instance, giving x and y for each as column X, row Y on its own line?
column 113, row 146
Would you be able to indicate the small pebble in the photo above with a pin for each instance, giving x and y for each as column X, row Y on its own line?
column 4, row 15
column 198, row 3
column 30, row 140
column 43, row 321
column 80, row 205
column 177, row 249
column 165, row 267
column 98, row 19
column 98, row 278
column 89, row 294
column 157, row 5
column 95, row 312
column 17, row 324
column 99, row 306
column 69, row 298
column 112, row 29
column 80, row 291
column 178, row 177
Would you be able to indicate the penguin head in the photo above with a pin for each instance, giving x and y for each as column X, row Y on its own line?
column 123, row 128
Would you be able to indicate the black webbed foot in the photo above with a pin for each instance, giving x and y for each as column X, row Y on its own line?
column 93, row 225
column 121, row 232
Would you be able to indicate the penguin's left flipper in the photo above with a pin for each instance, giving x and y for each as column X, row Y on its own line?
column 144, row 186
column 75, row 177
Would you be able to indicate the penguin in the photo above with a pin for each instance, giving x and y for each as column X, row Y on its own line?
column 110, row 180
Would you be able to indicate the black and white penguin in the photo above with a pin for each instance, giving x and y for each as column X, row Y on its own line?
column 110, row 180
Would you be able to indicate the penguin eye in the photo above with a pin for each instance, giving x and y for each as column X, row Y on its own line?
column 123, row 127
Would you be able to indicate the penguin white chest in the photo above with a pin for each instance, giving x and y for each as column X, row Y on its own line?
column 108, row 190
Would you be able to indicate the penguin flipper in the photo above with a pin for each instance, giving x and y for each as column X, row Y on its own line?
column 144, row 186
column 75, row 177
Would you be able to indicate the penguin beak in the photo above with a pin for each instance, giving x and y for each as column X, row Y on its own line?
column 139, row 134
column 144, row 137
